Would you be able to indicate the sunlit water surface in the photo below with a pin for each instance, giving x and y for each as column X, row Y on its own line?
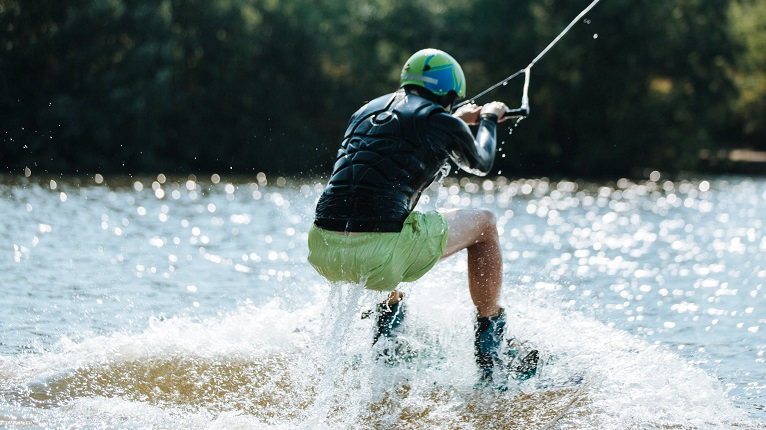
column 188, row 303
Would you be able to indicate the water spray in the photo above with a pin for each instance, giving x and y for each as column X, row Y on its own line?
column 523, row 110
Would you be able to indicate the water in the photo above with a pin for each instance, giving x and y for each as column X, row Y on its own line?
column 187, row 303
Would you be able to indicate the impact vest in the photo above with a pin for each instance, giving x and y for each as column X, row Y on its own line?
column 393, row 148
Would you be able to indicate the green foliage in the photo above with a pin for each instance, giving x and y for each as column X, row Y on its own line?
column 748, row 19
column 172, row 85
column 263, row 85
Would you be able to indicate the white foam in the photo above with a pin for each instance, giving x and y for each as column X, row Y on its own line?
column 312, row 367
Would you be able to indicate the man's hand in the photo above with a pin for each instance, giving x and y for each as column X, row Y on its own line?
column 468, row 113
column 496, row 108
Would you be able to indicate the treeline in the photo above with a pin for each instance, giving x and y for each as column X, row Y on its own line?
column 242, row 86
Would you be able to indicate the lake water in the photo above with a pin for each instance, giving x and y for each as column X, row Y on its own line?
column 185, row 302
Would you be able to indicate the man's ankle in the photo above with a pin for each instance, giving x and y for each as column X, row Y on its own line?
column 489, row 312
column 394, row 298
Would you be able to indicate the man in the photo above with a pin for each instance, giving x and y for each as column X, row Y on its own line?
column 366, row 230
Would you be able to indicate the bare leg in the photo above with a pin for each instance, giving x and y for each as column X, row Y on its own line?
column 476, row 230
column 394, row 297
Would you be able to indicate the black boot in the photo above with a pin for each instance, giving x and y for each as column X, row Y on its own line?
column 492, row 350
column 488, row 337
column 390, row 317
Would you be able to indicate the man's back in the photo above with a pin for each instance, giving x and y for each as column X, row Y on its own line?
column 393, row 148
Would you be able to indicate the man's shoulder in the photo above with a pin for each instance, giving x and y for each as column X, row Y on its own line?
column 381, row 101
column 447, row 122
column 374, row 104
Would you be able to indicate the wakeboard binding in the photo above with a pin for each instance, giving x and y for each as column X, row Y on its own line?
column 494, row 354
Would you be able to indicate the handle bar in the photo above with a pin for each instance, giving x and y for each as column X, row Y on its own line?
column 521, row 112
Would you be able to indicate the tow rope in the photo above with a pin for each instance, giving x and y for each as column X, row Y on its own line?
column 523, row 111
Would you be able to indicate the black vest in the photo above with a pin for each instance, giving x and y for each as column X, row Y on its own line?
column 393, row 148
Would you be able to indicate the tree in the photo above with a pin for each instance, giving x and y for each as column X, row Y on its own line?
column 748, row 18
column 261, row 85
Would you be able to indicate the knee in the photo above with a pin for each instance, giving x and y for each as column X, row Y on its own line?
column 488, row 222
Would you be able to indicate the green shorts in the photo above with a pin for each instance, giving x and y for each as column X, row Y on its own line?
column 380, row 261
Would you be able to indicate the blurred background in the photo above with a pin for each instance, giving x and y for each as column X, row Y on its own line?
column 247, row 86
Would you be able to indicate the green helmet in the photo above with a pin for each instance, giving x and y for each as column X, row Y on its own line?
column 435, row 71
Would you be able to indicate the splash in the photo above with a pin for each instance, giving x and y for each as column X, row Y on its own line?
column 270, row 367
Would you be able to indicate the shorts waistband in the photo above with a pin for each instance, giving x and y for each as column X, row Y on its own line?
column 359, row 226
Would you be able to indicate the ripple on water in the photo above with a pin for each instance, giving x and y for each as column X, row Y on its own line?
column 675, row 264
